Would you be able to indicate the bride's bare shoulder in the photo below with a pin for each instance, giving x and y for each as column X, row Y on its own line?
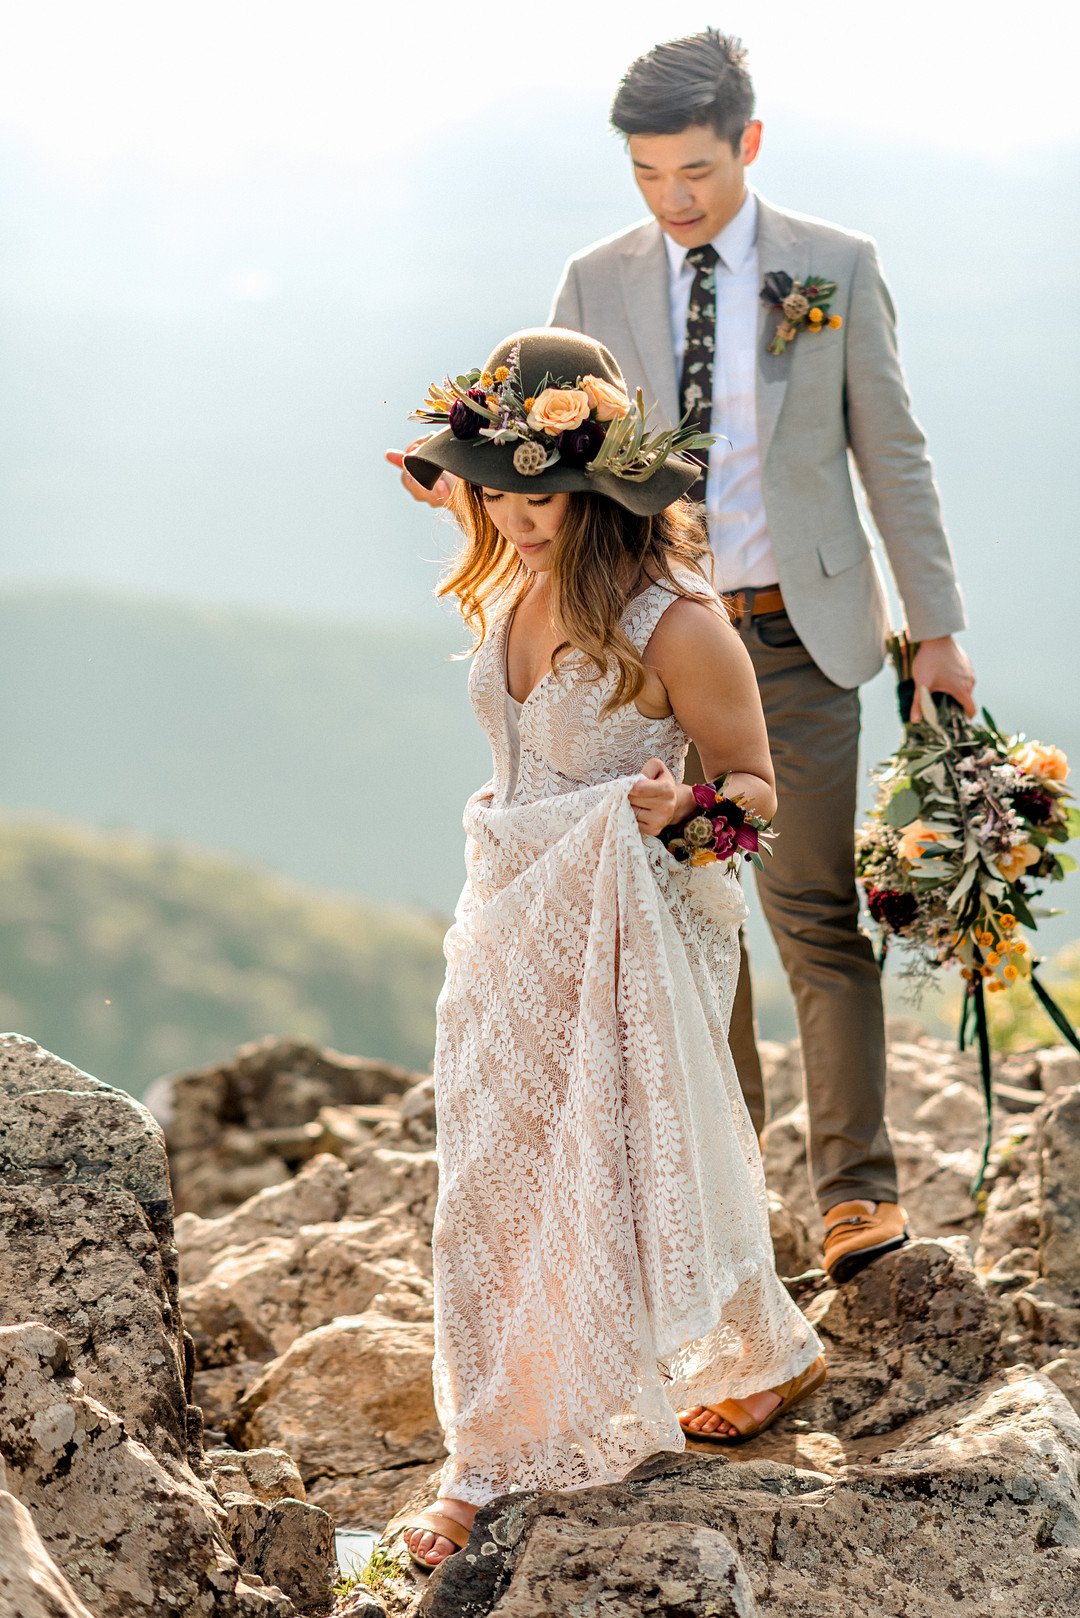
column 691, row 622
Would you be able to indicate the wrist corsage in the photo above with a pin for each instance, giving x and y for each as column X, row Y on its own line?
column 720, row 828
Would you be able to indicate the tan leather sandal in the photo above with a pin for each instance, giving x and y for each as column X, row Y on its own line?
column 431, row 1522
column 731, row 1411
column 854, row 1238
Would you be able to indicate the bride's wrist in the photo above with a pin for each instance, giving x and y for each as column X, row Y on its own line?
column 685, row 804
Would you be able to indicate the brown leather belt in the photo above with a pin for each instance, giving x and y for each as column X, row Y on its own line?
column 753, row 602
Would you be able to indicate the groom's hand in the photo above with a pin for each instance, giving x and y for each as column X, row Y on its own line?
column 940, row 665
column 444, row 485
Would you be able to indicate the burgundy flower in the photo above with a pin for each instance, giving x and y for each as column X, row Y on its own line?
column 704, row 796
column 892, row 909
column 776, row 286
column 724, row 839
column 579, row 445
column 466, row 423
column 1034, row 805
column 747, row 838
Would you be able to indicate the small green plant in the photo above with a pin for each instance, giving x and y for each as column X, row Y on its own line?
column 380, row 1573
column 380, row 1570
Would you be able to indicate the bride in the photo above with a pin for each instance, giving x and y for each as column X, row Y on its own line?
column 604, row 1277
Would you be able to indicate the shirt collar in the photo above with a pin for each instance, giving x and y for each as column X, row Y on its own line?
column 735, row 243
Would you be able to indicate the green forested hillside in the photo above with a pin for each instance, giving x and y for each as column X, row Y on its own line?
column 337, row 754
column 298, row 743
column 132, row 959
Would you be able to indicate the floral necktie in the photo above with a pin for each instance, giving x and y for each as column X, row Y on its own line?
column 696, row 385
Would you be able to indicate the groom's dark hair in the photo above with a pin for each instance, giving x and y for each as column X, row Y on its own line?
column 702, row 79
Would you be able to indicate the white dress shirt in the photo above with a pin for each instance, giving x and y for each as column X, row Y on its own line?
column 734, row 499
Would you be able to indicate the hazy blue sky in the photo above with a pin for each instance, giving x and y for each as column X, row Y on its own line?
column 196, row 87
column 242, row 237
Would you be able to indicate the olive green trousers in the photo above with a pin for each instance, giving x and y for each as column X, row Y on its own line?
column 808, row 893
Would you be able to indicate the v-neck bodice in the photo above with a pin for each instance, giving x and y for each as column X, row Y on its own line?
column 564, row 740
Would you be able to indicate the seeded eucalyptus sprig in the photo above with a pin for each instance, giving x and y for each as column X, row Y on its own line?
column 630, row 451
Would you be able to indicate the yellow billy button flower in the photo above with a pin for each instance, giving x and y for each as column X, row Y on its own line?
column 993, row 959
column 501, row 373
column 836, row 321
column 486, row 379
column 815, row 317
column 1019, row 947
column 1010, row 973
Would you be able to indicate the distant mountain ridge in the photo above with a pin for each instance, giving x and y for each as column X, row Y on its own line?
column 338, row 754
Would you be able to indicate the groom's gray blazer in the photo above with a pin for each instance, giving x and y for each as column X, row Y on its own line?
column 827, row 394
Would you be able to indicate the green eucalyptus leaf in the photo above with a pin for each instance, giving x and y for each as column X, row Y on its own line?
column 903, row 807
column 963, row 885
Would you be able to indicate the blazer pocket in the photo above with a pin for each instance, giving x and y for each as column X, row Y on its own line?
column 842, row 551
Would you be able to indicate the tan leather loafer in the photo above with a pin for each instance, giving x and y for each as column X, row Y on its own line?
column 854, row 1238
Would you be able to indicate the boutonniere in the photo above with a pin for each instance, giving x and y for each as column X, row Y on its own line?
column 803, row 305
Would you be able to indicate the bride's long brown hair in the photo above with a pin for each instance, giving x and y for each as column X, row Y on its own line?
column 593, row 574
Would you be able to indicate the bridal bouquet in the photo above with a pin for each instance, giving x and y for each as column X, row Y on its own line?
column 966, row 833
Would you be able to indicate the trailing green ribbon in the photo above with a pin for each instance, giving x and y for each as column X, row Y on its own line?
column 1053, row 1010
column 973, row 1008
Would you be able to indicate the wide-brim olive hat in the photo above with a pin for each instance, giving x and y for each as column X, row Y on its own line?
column 549, row 364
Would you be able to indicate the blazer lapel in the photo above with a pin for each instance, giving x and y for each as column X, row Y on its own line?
column 644, row 275
column 778, row 249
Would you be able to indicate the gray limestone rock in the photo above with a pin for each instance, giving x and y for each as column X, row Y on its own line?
column 249, row 1123
column 973, row 1512
column 910, row 1333
column 648, row 1570
column 86, row 1239
column 133, row 1536
column 31, row 1585
column 352, row 1403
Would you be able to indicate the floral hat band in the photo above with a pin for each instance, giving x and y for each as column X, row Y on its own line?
column 553, row 403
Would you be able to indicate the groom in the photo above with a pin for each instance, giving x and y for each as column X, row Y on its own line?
column 677, row 301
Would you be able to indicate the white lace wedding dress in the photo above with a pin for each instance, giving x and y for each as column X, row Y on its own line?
column 602, row 1252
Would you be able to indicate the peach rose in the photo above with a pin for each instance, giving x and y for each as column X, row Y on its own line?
column 916, row 837
column 1013, row 864
column 1036, row 758
column 605, row 398
column 559, row 410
